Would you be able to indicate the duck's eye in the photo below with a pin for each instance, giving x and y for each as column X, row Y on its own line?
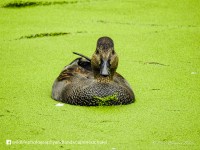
column 113, row 52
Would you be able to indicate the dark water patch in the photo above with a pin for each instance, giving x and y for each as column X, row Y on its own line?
column 155, row 63
column 81, row 32
column 129, row 23
column 102, row 21
column 107, row 121
column 8, row 111
column 155, row 89
column 174, row 110
column 42, row 35
column 151, row 63
column 44, row 115
column 109, row 22
column 22, row 4
column 148, row 25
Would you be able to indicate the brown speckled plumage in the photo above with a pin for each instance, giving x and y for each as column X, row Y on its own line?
column 83, row 80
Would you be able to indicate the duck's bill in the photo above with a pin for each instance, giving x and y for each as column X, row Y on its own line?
column 104, row 68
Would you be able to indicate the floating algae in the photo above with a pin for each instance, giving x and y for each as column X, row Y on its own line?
column 105, row 100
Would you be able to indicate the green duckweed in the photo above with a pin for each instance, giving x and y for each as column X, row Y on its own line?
column 105, row 100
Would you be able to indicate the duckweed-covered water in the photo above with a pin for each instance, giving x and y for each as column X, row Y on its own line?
column 158, row 43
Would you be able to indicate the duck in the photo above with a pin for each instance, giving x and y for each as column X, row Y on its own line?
column 93, row 82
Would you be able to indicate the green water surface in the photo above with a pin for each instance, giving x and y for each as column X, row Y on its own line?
column 158, row 43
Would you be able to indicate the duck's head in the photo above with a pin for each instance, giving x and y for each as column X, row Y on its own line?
column 104, row 61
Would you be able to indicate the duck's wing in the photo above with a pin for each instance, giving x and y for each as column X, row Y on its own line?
column 72, row 74
column 79, row 67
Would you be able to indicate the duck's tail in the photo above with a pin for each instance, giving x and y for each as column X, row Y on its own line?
column 82, row 56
